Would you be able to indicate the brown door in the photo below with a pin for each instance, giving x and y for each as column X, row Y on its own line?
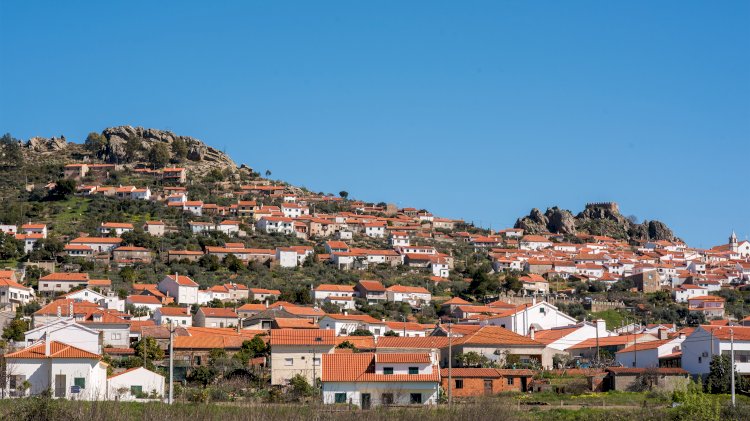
column 487, row 386
column 60, row 386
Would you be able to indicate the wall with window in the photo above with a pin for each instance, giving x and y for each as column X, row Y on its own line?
column 380, row 393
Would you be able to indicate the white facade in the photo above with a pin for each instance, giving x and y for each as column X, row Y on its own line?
column 182, row 288
column 701, row 345
column 401, row 392
column 67, row 330
column 542, row 315
column 128, row 385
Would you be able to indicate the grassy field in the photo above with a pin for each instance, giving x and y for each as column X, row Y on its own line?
column 624, row 407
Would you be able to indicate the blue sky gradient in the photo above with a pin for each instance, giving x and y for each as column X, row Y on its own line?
column 479, row 110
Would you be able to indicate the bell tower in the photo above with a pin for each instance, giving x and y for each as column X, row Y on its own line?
column 733, row 246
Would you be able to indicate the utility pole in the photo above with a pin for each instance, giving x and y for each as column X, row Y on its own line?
column 450, row 363
column 596, row 324
column 731, row 339
column 171, row 362
column 404, row 325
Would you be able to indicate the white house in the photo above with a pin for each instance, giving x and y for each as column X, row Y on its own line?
column 149, row 302
column 323, row 291
column 375, row 229
column 64, row 329
column 563, row 337
column 652, row 354
column 34, row 229
column 109, row 301
column 293, row 210
column 64, row 370
column 286, row 257
column 706, row 341
column 182, row 288
column 134, row 383
column 180, row 316
column 414, row 296
column 155, row 228
column 541, row 315
column 13, row 293
column 534, row 242
column 276, row 224
column 368, row 379
column 118, row 228
column 9, row 229
column 345, row 324
column 685, row 292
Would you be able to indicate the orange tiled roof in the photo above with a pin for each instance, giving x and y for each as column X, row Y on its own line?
column 402, row 358
column 302, row 337
column 360, row 367
column 57, row 350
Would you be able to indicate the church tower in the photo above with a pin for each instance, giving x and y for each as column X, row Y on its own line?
column 733, row 246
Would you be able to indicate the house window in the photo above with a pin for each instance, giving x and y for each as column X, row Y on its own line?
column 415, row 398
column 80, row 382
column 510, row 381
column 16, row 381
column 541, row 310
column 197, row 360
column 459, row 383
column 288, row 361
column 136, row 390
column 387, row 370
column 316, row 361
column 413, row 370
column 340, row 398
column 700, row 360
column 386, row 398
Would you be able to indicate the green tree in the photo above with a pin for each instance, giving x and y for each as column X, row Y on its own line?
column 179, row 149
column 150, row 348
column 10, row 151
column 361, row 332
column 159, row 155
column 346, row 345
column 10, row 248
column 719, row 379
column 203, row 375
column 133, row 147
column 64, row 188
column 95, row 142
column 268, row 173
column 300, row 387
column 253, row 348
column 14, row 331
column 391, row 333
column 471, row 359
column 233, row 263
column 344, row 194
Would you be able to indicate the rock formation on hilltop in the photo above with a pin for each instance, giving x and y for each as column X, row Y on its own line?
column 595, row 219
column 131, row 146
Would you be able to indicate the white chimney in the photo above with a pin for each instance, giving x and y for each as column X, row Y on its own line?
column 46, row 343
column 532, row 334
column 682, row 335
column 601, row 328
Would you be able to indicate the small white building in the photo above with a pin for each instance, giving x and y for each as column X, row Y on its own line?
column 414, row 296
column 182, row 288
column 180, row 316
column 51, row 366
column 706, row 341
column 135, row 383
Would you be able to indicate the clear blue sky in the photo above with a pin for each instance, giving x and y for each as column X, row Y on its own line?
column 479, row 110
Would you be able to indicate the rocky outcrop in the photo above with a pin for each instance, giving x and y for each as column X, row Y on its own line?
column 46, row 145
column 142, row 140
column 595, row 219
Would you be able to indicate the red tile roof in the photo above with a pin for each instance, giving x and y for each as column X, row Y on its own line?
column 309, row 337
column 57, row 350
column 360, row 367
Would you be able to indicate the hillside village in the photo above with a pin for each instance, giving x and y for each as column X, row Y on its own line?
column 126, row 265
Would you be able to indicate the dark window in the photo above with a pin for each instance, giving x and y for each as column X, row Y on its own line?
column 510, row 381
column 413, row 370
column 415, row 398
column 387, row 370
column 387, row 399
column 197, row 360
column 136, row 390
column 340, row 398
column 80, row 382
column 459, row 384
